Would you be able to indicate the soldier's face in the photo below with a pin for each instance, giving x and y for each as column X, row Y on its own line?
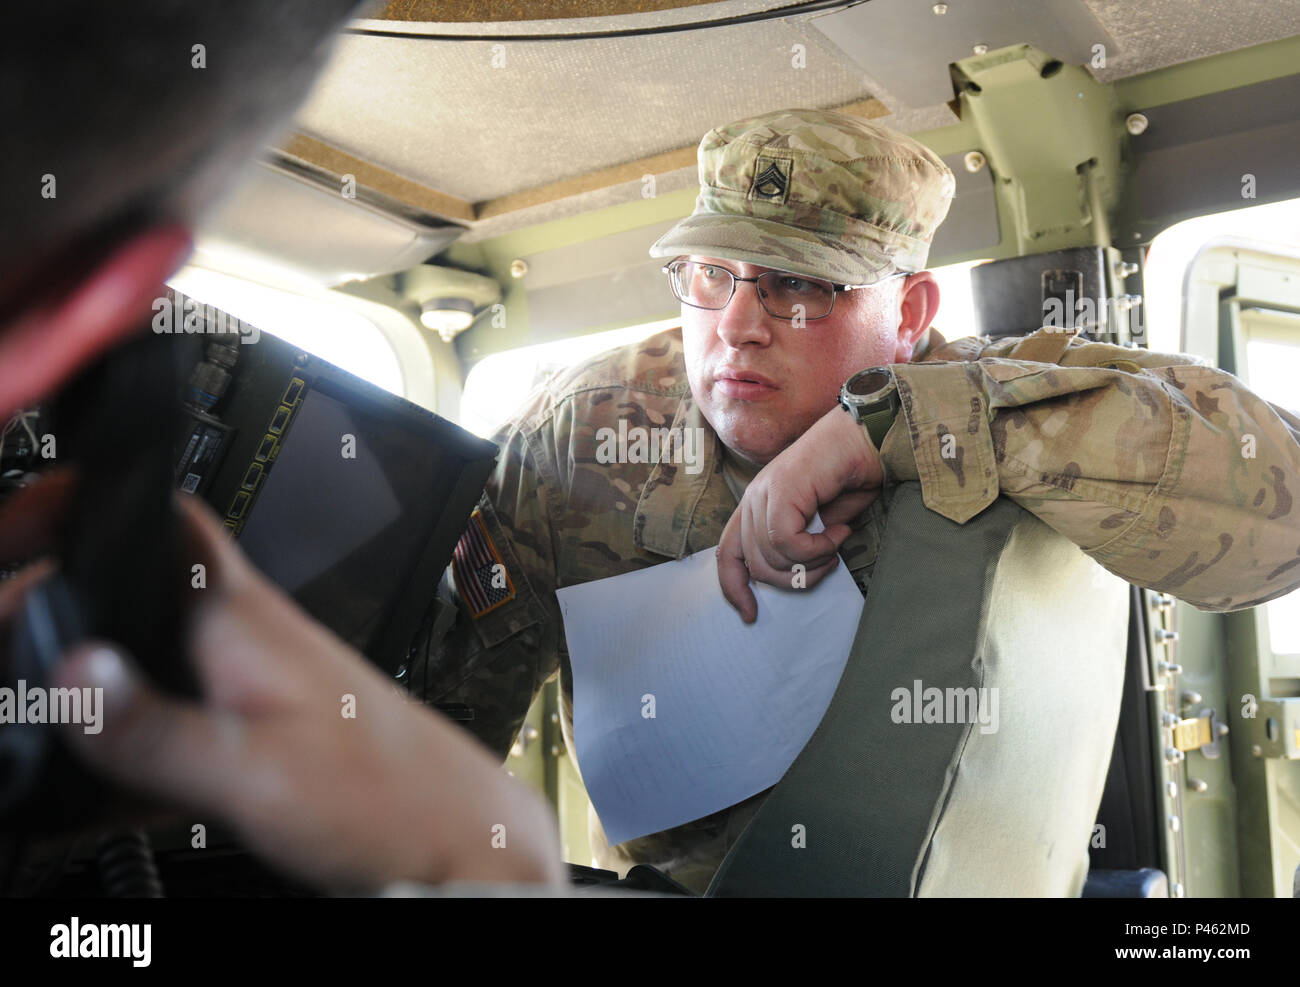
column 761, row 381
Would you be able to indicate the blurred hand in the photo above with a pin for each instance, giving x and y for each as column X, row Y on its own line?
column 831, row 469
column 348, row 803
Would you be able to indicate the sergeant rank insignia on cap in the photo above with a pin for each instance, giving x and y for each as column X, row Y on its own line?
column 481, row 577
column 773, row 178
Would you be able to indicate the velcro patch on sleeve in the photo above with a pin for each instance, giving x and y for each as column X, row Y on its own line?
column 481, row 577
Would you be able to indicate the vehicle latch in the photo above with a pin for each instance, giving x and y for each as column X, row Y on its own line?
column 1200, row 733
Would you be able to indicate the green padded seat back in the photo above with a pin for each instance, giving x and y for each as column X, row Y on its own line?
column 873, row 806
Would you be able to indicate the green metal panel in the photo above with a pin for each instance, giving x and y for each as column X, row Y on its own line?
column 527, row 759
column 1052, row 136
column 572, row 805
column 1267, row 789
column 493, row 257
column 1212, row 74
column 1209, row 796
column 1260, row 686
column 540, row 760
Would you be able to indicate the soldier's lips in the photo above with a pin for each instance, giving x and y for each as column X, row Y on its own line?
column 744, row 385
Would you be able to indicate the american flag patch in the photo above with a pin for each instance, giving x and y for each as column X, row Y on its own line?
column 481, row 577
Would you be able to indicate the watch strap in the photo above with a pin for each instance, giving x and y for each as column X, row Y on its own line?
column 878, row 420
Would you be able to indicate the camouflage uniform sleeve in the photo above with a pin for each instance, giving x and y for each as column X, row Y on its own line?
column 495, row 658
column 1168, row 472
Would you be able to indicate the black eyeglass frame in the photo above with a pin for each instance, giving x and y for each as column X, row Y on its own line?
column 836, row 287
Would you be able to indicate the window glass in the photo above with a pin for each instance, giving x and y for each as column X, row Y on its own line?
column 343, row 337
column 1173, row 250
column 956, row 316
column 1272, row 364
column 498, row 383
column 1273, row 370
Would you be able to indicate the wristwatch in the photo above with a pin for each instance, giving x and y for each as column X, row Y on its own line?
column 871, row 397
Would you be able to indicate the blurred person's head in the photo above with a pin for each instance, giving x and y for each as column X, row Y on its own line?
column 121, row 131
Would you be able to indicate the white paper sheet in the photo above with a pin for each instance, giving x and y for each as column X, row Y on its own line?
column 733, row 704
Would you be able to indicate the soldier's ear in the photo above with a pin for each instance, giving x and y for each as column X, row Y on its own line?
column 918, row 303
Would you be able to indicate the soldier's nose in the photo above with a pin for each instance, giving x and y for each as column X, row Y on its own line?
column 744, row 320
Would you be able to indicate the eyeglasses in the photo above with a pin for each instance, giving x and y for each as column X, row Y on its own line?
column 782, row 295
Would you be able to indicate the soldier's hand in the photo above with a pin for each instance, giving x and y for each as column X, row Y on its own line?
column 831, row 469
column 308, row 751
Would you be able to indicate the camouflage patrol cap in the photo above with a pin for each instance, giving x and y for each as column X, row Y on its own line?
column 814, row 192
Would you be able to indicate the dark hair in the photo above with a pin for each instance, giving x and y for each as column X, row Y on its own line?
column 109, row 100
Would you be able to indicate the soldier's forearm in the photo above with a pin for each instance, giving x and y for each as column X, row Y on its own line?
column 1177, row 478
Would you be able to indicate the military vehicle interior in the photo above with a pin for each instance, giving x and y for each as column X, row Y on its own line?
column 465, row 202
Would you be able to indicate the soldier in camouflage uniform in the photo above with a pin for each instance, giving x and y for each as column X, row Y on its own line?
column 1133, row 455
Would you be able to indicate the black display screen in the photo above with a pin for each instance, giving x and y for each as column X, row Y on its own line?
column 349, row 498
column 344, row 513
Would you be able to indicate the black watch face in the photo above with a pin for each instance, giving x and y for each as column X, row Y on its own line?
column 864, row 384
